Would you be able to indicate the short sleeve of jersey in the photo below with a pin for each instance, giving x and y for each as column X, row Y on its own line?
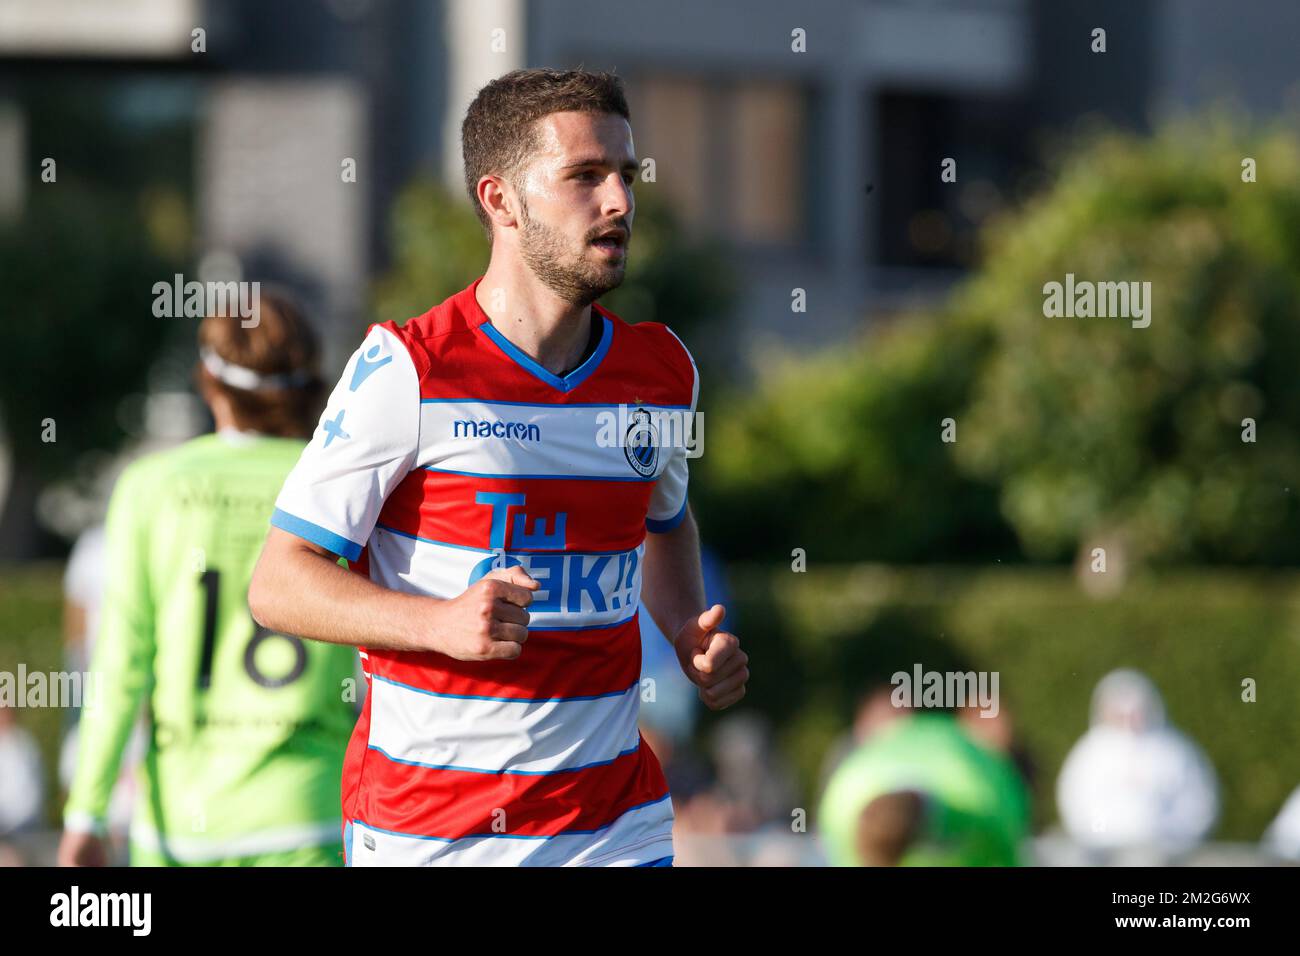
column 668, row 502
column 365, row 444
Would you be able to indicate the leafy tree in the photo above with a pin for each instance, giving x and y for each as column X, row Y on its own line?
column 841, row 453
column 1097, row 430
column 80, row 334
column 1070, row 431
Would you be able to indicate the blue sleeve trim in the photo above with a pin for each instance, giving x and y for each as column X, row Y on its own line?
column 667, row 524
column 315, row 534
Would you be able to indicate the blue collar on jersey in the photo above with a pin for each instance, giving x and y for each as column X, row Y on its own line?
column 566, row 383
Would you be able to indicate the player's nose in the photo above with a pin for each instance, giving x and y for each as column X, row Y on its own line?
column 617, row 202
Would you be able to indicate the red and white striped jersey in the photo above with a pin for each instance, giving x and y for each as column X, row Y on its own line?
column 445, row 452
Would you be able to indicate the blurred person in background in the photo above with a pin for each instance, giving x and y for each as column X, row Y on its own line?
column 921, row 790
column 737, row 807
column 1133, row 781
column 247, row 728
column 673, row 710
column 753, row 778
column 83, row 595
column 667, row 721
column 1282, row 838
column 22, row 787
column 874, row 709
column 757, row 786
column 701, row 819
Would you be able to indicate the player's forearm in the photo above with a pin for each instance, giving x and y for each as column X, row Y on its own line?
column 672, row 587
column 298, row 591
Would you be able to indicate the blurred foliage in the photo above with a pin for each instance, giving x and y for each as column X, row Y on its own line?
column 840, row 454
column 80, row 263
column 77, row 283
column 31, row 606
column 820, row 639
column 438, row 248
column 1092, row 427
column 1068, row 430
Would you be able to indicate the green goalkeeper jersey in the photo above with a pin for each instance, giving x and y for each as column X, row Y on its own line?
column 977, row 806
column 247, row 728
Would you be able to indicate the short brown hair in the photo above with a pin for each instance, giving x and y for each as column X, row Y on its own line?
column 498, row 133
column 281, row 344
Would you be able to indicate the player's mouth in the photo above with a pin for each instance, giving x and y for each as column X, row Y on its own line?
column 612, row 244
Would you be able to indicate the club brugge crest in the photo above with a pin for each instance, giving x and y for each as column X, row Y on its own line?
column 641, row 443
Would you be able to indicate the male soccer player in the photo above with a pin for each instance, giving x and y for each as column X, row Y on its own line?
column 466, row 464
column 248, row 728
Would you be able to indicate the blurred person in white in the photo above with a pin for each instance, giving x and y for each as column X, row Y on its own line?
column 1133, row 781
column 83, row 595
column 22, row 790
column 1282, row 838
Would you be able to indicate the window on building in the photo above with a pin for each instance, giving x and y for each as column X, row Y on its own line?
column 923, row 221
column 731, row 155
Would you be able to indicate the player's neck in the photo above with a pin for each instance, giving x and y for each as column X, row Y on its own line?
column 551, row 331
column 224, row 420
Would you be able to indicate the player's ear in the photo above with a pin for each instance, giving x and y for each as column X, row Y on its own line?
column 499, row 201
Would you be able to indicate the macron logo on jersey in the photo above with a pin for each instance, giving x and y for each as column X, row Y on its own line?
column 487, row 428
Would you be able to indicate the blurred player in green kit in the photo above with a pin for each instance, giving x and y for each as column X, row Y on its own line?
column 247, row 728
column 922, row 790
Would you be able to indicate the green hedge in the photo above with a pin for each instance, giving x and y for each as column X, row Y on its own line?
column 816, row 639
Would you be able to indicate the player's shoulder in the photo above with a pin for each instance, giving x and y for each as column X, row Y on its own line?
column 203, row 456
column 654, row 337
column 144, row 478
column 428, row 336
column 655, row 347
column 168, row 461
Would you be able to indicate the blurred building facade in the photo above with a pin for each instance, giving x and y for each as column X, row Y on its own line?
column 813, row 156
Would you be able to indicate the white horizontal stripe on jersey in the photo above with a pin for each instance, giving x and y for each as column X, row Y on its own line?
column 412, row 726
column 195, row 849
column 577, row 590
column 640, row 835
column 542, row 441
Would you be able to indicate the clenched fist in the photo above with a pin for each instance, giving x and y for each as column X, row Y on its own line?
column 712, row 659
column 488, row 622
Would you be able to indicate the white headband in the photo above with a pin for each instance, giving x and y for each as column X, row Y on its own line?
column 237, row 376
